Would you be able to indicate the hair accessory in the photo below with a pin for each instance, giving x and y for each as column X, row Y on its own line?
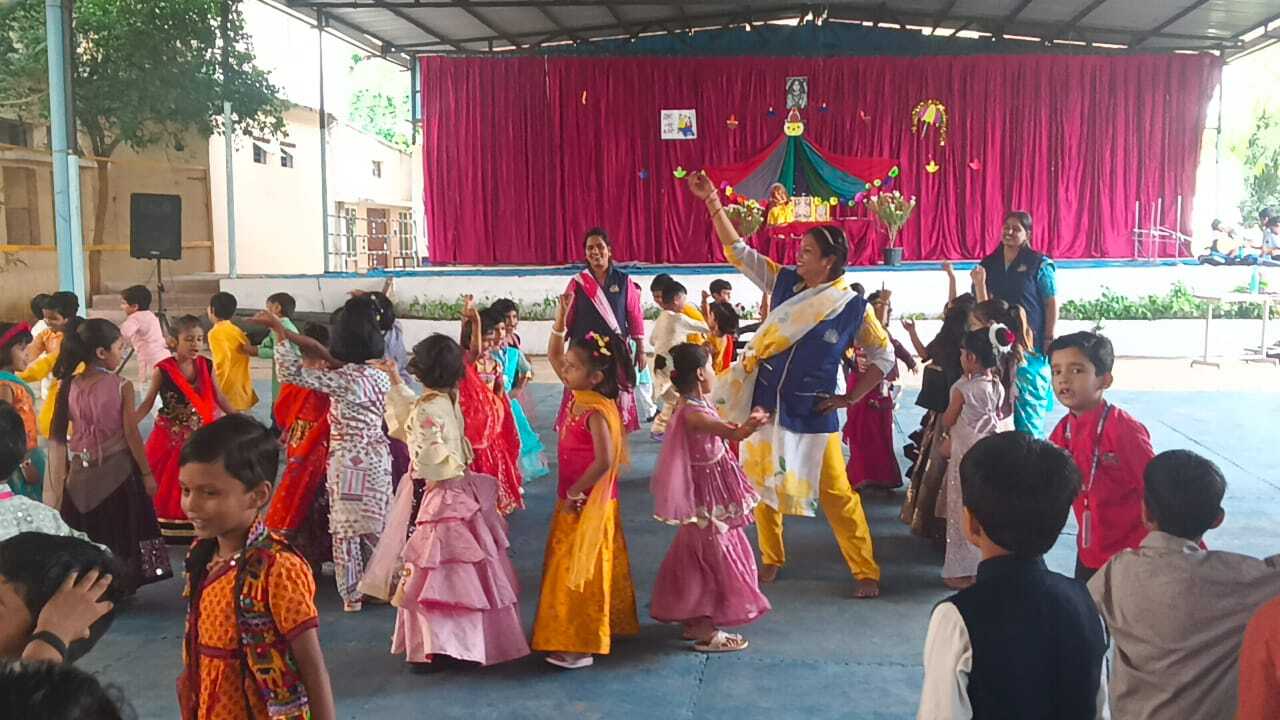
column 1001, row 337
column 13, row 332
column 602, row 343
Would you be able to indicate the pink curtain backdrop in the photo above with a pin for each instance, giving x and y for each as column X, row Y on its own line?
column 522, row 155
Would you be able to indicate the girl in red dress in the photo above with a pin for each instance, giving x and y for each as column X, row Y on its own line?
column 190, row 399
column 486, row 410
column 300, row 505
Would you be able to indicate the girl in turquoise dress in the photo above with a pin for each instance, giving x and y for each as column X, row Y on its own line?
column 517, row 374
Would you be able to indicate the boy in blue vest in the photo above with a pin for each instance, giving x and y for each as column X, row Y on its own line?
column 1022, row 642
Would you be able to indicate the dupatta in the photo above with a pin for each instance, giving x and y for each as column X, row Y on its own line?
column 203, row 402
column 785, row 326
column 589, row 535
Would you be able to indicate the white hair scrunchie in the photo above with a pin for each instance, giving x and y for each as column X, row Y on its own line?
column 1001, row 337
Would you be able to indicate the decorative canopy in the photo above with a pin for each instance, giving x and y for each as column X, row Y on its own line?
column 804, row 168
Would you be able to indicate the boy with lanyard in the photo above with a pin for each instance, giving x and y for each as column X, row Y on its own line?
column 1109, row 446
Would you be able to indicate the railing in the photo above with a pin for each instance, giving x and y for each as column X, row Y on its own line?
column 359, row 243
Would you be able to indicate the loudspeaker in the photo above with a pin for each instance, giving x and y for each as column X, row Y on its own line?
column 155, row 227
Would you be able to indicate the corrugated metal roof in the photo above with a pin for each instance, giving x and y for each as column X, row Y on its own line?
column 401, row 29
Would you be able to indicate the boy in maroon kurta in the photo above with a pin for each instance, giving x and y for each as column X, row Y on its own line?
column 1109, row 446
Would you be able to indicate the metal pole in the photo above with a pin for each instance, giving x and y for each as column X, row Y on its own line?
column 1217, row 152
column 324, row 156
column 228, row 151
column 69, row 245
column 228, row 132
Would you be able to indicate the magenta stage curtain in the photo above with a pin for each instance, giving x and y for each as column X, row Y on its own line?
column 522, row 155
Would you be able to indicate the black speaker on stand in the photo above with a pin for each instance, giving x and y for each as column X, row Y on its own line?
column 155, row 233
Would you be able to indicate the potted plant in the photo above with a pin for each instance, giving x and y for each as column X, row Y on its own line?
column 892, row 209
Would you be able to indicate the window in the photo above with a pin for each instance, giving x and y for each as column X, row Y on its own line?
column 13, row 132
column 377, row 168
column 404, row 230
column 286, row 158
column 259, row 154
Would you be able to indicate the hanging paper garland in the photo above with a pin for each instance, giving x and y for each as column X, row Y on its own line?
column 893, row 173
column 975, row 165
column 680, row 172
column 932, row 167
column 930, row 112
column 732, row 122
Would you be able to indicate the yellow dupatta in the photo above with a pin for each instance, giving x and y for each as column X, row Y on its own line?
column 589, row 535
column 784, row 327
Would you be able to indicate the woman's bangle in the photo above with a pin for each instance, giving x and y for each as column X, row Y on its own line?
column 576, row 497
column 557, row 333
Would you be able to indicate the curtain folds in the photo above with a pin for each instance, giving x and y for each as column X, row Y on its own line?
column 522, row 155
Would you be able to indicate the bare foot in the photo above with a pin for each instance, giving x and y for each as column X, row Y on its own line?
column 867, row 589
column 958, row 583
column 769, row 573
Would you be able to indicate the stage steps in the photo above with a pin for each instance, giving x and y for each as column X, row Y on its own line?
column 183, row 295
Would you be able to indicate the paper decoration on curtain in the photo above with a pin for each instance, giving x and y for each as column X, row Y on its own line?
column 930, row 112
column 797, row 93
column 679, row 124
column 804, row 169
column 794, row 126
column 975, row 164
column 732, row 122
column 680, row 172
column 932, row 167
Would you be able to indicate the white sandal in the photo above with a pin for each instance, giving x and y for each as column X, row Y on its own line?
column 721, row 642
column 562, row 661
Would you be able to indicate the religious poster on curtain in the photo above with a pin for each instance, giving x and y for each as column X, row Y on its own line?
column 797, row 93
column 679, row 124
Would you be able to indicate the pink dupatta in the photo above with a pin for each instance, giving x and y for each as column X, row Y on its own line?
column 672, row 481
column 593, row 291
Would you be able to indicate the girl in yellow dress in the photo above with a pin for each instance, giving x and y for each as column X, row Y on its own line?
column 587, row 593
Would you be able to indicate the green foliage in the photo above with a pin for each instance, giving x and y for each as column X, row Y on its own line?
column 423, row 308
column 146, row 71
column 1260, row 155
column 427, row 308
column 379, row 112
column 1177, row 304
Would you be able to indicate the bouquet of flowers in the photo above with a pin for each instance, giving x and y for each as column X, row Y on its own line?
column 746, row 215
column 893, row 210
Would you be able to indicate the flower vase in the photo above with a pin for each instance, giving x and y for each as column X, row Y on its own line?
column 892, row 253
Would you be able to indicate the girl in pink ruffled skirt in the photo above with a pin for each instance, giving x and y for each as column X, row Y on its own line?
column 708, row 579
column 443, row 559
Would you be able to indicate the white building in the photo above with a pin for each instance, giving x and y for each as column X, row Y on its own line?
column 374, row 188
column 373, row 211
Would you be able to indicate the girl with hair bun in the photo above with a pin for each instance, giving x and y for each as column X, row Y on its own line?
column 979, row 407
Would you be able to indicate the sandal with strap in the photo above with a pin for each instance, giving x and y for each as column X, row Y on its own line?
column 721, row 642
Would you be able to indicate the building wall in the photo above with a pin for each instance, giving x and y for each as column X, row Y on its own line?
column 29, row 262
column 278, row 216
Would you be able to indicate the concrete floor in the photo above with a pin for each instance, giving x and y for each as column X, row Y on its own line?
column 820, row 653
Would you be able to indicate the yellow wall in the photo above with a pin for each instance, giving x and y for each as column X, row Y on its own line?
column 164, row 171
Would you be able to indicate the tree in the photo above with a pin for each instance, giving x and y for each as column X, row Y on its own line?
column 377, row 108
column 1260, row 155
column 145, row 72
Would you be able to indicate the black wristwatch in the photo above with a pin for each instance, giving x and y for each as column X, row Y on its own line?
column 51, row 640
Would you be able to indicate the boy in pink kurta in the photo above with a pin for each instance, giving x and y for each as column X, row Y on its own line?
column 141, row 329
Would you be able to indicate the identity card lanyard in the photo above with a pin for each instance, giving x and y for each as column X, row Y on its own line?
column 1086, row 518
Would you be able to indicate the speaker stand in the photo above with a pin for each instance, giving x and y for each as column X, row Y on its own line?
column 164, row 321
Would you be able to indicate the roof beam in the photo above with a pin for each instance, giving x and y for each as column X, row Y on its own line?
column 944, row 12
column 465, row 6
column 557, row 24
column 426, row 28
column 617, row 17
column 1145, row 36
column 1075, row 20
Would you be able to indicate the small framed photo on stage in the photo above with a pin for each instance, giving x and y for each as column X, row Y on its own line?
column 679, row 124
column 797, row 93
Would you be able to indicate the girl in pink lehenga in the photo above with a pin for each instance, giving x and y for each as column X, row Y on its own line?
column 708, row 579
column 442, row 560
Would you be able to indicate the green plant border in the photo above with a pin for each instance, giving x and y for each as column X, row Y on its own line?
column 438, row 308
column 1179, row 303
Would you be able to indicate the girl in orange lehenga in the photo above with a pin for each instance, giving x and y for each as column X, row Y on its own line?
column 587, row 594
column 299, row 507
column 488, row 422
